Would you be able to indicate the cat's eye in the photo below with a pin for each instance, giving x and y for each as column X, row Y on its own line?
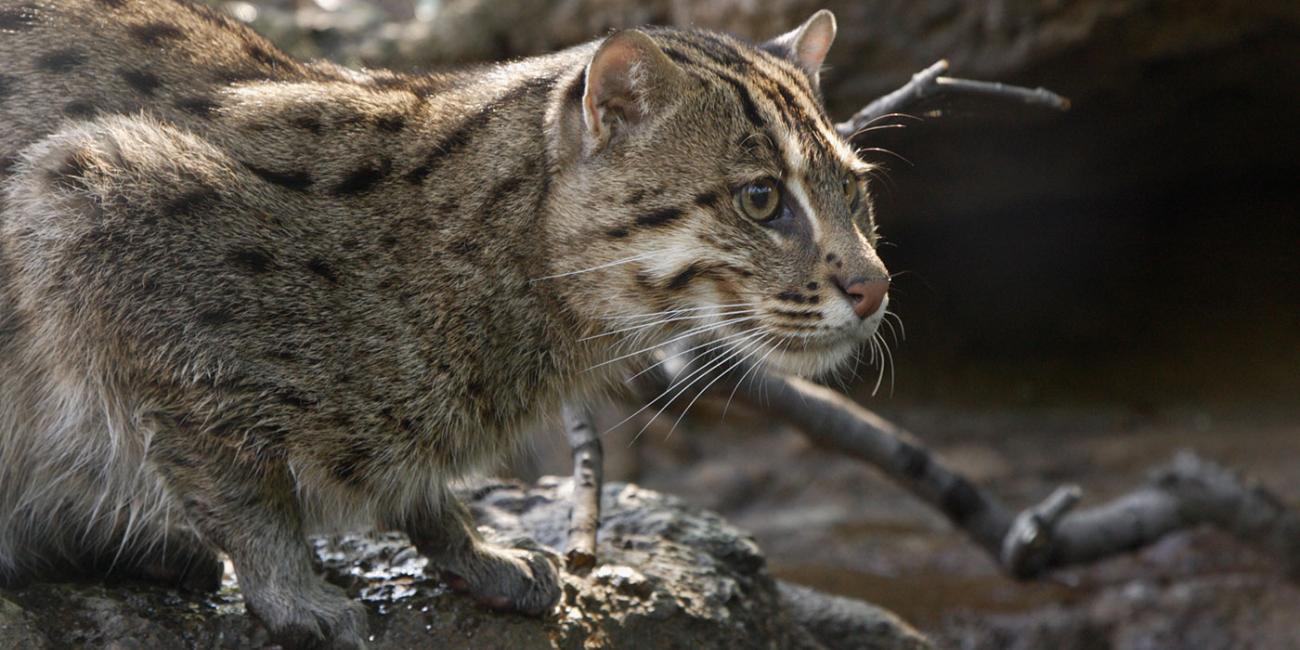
column 850, row 188
column 759, row 200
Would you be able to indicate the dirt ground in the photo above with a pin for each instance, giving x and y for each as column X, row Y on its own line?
column 835, row 524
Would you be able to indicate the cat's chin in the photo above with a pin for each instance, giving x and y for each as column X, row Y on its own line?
column 813, row 363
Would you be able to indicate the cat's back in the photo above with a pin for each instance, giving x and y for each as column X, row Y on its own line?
column 70, row 60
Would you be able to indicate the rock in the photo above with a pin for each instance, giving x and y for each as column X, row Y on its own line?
column 845, row 623
column 670, row 576
column 18, row 627
column 878, row 46
column 1221, row 612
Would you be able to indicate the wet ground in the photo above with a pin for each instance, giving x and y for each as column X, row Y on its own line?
column 837, row 525
column 672, row 576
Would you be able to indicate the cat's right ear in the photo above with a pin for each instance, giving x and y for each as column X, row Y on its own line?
column 806, row 45
column 628, row 80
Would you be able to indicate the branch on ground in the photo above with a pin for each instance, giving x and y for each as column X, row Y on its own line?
column 1187, row 493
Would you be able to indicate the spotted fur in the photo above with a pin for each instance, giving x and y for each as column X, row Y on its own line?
column 244, row 297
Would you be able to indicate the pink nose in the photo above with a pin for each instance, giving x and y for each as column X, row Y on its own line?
column 866, row 296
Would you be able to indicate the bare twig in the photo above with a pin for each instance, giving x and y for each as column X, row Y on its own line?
column 1033, row 96
column 588, row 460
column 911, row 92
column 1187, row 493
column 930, row 82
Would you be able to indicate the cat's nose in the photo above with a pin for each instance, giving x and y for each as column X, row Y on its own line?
column 864, row 295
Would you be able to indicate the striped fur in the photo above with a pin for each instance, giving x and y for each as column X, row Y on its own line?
column 243, row 297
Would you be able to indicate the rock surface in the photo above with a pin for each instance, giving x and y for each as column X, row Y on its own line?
column 878, row 46
column 669, row 577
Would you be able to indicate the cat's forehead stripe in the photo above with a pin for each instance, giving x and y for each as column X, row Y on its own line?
column 755, row 75
column 775, row 99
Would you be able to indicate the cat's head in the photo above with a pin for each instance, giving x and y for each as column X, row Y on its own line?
column 703, row 193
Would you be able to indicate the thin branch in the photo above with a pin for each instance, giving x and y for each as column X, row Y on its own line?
column 1187, row 493
column 930, row 82
column 1033, row 96
column 588, row 478
column 835, row 422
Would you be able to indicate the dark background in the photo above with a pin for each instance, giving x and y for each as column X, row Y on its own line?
column 1143, row 247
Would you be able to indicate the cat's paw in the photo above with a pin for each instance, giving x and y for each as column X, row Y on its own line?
column 319, row 618
column 508, row 579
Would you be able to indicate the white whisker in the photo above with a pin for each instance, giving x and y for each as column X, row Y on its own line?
column 683, row 310
column 714, row 343
column 860, row 150
column 853, row 368
column 880, row 127
column 889, row 356
column 753, row 368
column 880, row 376
column 901, row 328
column 892, row 332
column 672, row 385
column 752, row 351
column 689, row 333
column 698, row 375
column 883, row 117
column 630, row 328
column 643, row 256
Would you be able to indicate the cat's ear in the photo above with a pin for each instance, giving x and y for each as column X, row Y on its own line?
column 628, row 79
column 806, row 45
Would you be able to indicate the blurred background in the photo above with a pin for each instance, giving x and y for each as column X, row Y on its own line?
column 1083, row 292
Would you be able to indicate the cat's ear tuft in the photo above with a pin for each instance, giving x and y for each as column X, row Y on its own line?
column 628, row 79
column 806, row 45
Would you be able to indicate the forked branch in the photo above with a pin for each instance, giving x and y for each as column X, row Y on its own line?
column 930, row 83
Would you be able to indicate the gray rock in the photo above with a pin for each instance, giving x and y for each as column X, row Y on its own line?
column 18, row 627
column 670, row 576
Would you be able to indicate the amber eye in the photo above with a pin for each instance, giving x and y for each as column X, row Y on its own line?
column 759, row 200
column 850, row 187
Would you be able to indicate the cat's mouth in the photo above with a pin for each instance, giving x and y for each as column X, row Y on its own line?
column 738, row 340
column 830, row 349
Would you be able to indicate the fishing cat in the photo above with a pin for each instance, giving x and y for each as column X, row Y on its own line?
column 243, row 297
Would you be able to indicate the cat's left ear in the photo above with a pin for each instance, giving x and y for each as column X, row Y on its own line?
column 806, row 45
